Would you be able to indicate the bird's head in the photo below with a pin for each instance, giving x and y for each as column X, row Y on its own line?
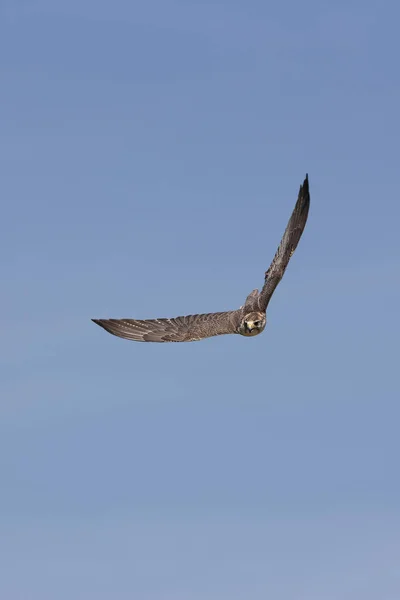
column 252, row 323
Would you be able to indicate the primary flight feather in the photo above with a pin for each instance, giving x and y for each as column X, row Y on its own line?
column 248, row 320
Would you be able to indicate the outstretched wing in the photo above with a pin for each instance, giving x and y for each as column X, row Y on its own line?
column 179, row 329
column 288, row 245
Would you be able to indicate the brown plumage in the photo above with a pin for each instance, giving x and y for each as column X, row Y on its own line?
column 248, row 320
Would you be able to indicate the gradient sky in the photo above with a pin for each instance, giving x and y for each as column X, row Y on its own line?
column 151, row 155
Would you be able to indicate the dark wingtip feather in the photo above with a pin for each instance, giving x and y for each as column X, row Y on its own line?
column 109, row 325
column 304, row 198
column 304, row 187
column 99, row 322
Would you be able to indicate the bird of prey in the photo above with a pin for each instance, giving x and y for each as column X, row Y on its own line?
column 248, row 320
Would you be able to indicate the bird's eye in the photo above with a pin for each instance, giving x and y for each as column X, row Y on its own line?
column 257, row 323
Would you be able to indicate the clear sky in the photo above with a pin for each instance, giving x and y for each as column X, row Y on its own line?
column 151, row 155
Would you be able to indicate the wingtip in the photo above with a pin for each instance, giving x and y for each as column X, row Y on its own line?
column 305, row 186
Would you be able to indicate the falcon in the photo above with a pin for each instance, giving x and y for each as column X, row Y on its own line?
column 248, row 320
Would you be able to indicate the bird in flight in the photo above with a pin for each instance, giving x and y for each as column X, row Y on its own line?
column 248, row 320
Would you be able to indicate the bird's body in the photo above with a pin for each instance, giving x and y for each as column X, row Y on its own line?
column 249, row 320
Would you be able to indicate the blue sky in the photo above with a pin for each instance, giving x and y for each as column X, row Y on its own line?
column 151, row 154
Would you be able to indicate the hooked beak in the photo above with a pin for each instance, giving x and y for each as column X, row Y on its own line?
column 249, row 325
